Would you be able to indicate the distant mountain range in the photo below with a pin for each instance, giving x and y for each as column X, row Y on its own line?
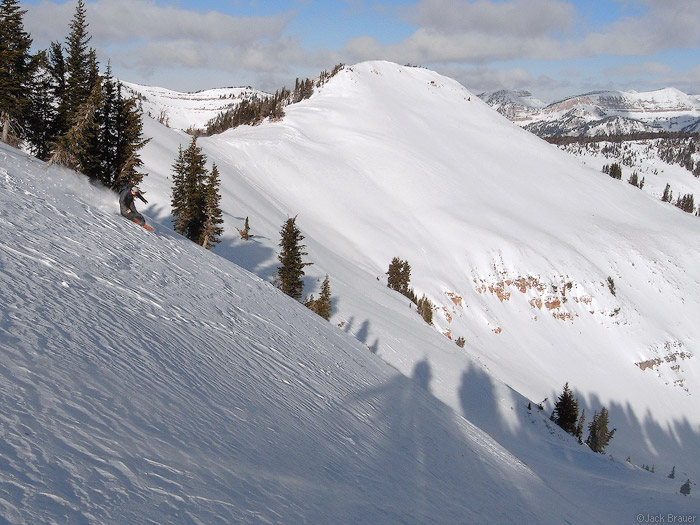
column 600, row 113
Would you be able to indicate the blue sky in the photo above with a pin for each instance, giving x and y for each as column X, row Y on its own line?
column 554, row 48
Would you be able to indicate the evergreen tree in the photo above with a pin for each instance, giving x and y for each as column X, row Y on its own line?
column 291, row 270
column 668, row 194
column 399, row 275
column 614, row 170
column 80, row 62
column 15, row 70
column 245, row 232
column 425, row 309
column 42, row 111
column 129, row 141
column 78, row 148
column 178, row 199
column 322, row 305
column 58, row 126
column 566, row 411
column 579, row 427
column 213, row 216
column 189, row 192
column 672, row 475
column 685, row 488
column 599, row 436
column 634, row 179
column 686, row 203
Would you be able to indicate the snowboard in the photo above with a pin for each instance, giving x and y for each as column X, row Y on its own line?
column 149, row 228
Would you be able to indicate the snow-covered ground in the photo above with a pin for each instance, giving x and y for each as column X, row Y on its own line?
column 601, row 112
column 146, row 378
column 641, row 157
column 187, row 110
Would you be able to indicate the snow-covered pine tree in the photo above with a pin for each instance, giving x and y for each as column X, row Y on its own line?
column 291, row 269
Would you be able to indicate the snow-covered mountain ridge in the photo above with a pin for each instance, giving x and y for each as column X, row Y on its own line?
column 604, row 112
column 387, row 161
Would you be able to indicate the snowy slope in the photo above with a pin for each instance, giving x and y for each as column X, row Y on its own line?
column 513, row 240
column 229, row 402
column 144, row 379
column 187, row 110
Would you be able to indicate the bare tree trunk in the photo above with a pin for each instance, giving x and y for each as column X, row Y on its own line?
column 5, row 128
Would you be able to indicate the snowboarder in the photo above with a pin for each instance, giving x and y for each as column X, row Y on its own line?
column 126, row 204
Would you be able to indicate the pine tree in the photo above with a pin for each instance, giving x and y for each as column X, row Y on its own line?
column 42, row 111
column 399, row 276
column 189, row 192
column 245, row 232
column 291, row 270
column 599, row 436
column 322, row 305
column 668, row 194
column 685, row 488
column 58, row 126
column 129, row 141
column 672, row 475
column 78, row 148
column 634, row 179
column 686, row 203
column 425, row 309
column 615, row 171
column 80, row 62
column 15, row 70
column 566, row 411
column 212, row 230
column 579, row 427
column 178, row 199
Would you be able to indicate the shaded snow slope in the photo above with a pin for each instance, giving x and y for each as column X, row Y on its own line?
column 144, row 379
column 513, row 240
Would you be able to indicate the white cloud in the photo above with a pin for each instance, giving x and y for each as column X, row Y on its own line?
column 517, row 18
column 124, row 21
